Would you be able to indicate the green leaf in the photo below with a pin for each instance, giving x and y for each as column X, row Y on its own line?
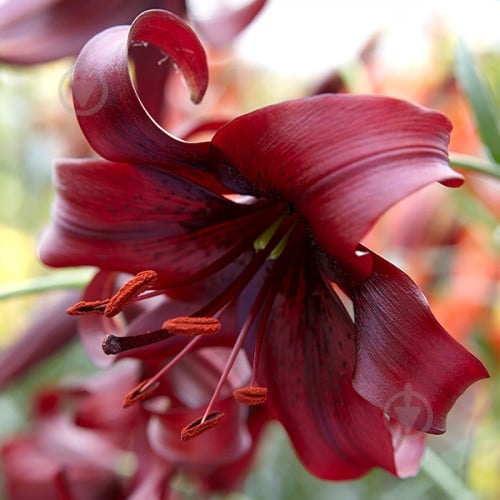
column 479, row 94
column 466, row 162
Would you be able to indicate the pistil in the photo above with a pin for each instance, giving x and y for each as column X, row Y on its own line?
column 182, row 326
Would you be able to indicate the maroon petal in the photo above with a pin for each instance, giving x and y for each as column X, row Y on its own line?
column 230, row 477
column 307, row 361
column 28, row 473
column 121, row 217
column 50, row 330
column 36, row 31
column 98, row 399
column 36, row 469
column 340, row 160
column 223, row 444
column 107, row 106
column 150, row 90
column 222, row 28
column 192, row 382
column 407, row 364
column 152, row 480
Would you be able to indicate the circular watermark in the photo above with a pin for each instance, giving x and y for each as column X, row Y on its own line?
column 409, row 408
column 92, row 93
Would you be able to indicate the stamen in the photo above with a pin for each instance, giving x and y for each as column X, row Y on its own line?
column 263, row 239
column 87, row 307
column 250, row 395
column 143, row 391
column 200, row 425
column 140, row 392
column 129, row 291
column 259, row 301
column 190, row 326
column 111, row 344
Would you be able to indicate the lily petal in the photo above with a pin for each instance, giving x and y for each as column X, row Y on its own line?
column 307, row 361
column 49, row 331
column 339, row 160
column 192, row 382
column 405, row 359
column 109, row 110
column 37, row 31
column 127, row 218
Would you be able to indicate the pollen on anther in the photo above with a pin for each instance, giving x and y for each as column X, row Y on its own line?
column 139, row 393
column 200, row 425
column 192, row 326
column 129, row 291
column 250, row 395
column 87, row 307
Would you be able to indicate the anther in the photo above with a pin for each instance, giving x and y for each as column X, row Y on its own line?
column 129, row 291
column 192, row 326
column 200, row 425
column 250, row 395
column 111, row 344
column 87, row 307
column 140, row 392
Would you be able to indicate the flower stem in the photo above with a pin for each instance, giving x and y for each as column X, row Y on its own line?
column 447, row 479
column 473, row 164
column 77, row 278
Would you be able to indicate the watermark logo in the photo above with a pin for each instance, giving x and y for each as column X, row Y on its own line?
column 91, row 97
column 410, row 408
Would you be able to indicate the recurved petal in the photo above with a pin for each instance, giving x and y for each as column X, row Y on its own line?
column 108, row 108
column 306, row 363
column 407, row 364
column 127, row 218
column 340, row 160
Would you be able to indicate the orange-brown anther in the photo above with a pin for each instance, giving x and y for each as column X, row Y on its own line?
column 129, row 291
column 191, row 327
column 87, row 307
column 250, row 395
column 139, row 393
column 199, row 425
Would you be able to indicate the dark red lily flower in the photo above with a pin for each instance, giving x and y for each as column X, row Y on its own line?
column 273, row 209
column 84, row 445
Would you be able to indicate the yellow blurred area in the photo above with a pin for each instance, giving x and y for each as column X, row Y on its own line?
column 17, row 262
column 484, row 466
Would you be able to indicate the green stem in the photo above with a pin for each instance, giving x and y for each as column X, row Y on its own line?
column 475, row 165
column 64, row 280
column 447, row 479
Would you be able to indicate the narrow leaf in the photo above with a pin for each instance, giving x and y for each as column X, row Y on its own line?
column 481, row 99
